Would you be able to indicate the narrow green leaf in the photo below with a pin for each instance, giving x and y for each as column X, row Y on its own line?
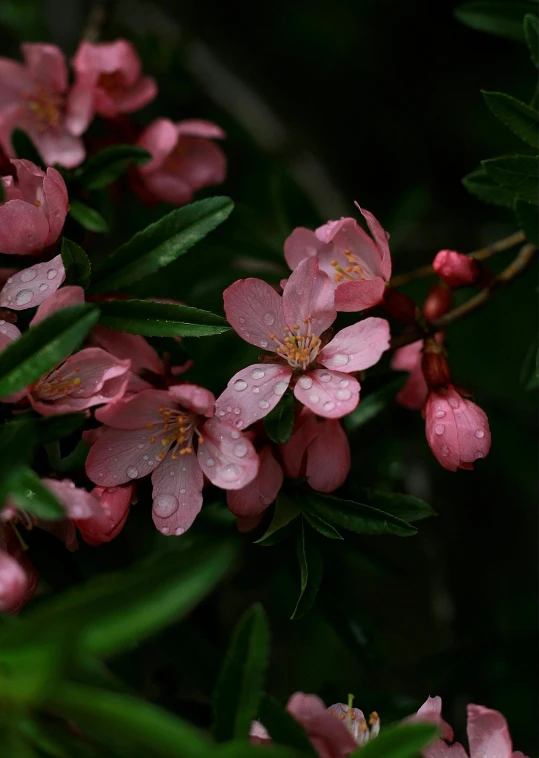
column 322, row 526
column 286, row 510
column 374, row 403
column 401, row 741
column 240, row 749
column 76, row 263
column 283, row 727
column 531, row 33
column 87, row 217
column 357, row 517
column 161, row 243
column 518, row 173
column 239, row 687
column 528, row 219
column 496, row 16
column 518, row 117
column 109, row 164
column 44, row 346
column 31, row 495
column 130, row 727
column 529, row 374
column 311, row 570
column 478, row 183
column 279, row 423
column 17, row 440
column 24, row 147
column 405, row 507
column 160, row 319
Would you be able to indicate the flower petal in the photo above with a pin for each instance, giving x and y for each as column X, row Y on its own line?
column 328, row 457
column 253, row 499
column 488, row 733
column 23, row 229
column 252, row 393
column 121, row 455
column 406, row 358
column 359, row 295
column 13, row 583
column 57, row 206
column 309, row 294
column 196, row 127
column 255, row 311
column 159, row 139
column 194, row 398
column 302, row 243
column 381, row 238
column 177, row 494
column 357, row 347
column 226, row 456
column 46, row 64
column 108, row 523
column 32, row 286
column 62, row 298
column 138, row 412
column 130, row 347
column 78, row 503
column 330, row 394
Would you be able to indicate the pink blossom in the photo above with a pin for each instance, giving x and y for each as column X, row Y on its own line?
column 457, row 430
column 488, row 733
column 107, row 524
column 13, row 583
column 34, row 209
column 108, row 81
column 415, row 391
column 87, row 378
column 291, row 326
column 359, row 266
column 184, row 160
column 32, row 286
column 319, row 450
column 34, row 98
column 252, row 500
column 156, row 432
column 456, row 270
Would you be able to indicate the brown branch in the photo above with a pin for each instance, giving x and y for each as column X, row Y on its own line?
column 515, row 268
column 95, row 21
column 480, row 255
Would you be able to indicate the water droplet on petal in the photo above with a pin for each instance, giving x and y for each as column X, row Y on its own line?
column 23, row 296
column 280, row 388
column 343, row 394
column 237, row 411
column 235, row 435
column 52, row 273
column 183, row 491
column 263, row 404
column 231, row 472
column 325, row 377
column 221, row 413
column 178, row 531
column 439, row 413
column 28, row 275
column 263, row 343
column 240, row 449
column 305, row 382
column 165, row 505
column 242, row 321
column 479, row 433
column 256, row 390
column 314, row 398
column 100, row 476
column 240, row 385
column 165, row 530
column 132, row 472
column 10, row 280
column 339, row 359
column 172, row 473
column 439, row 429
column 329, row 406
column 445, row 450
column 210, row 462
column 269, row 319
column 43, row 287
column 344, row 382
column 453, row 402
column 479, row 454
column 258, row 373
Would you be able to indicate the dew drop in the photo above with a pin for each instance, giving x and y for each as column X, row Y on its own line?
column 172, row 473
column 132, row 472
column 10, row 280
column 258, row 373
column 100, row 476
column 439, row 429
column 179, row 531
column 229, row 409
column 165, row 530
column 237, row 411
column 140, row 447
column 325, row 377
column 165, row 505
column 453, row 402
column 263, row 343
column 445, row 450
column 439, row 413
column 314, row 398
column 344, row 382
column 343, row 395
column 231, row 472
column 28, row 275
column 280, row 388
column 263, row 404
column 305, row 382
column 52, row 273
column 269, row 319
column 329, row 406
column 183, row 491
column 242, row 321
column 23, row 296
column 144, row 457
column 240, row 385
column 239, row 423
column 256, row 390
column 479, row 433
column 479, row 454
column 210, row 462
column 235, row 435
column 339, row 359
column 240, row 449
column 221, row 413
column 43, row 287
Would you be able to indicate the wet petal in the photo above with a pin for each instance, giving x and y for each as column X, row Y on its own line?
column 302, row 243
column 358, row 295
column 330, row 394
column 78, row 503
column 357, row 347
column 309, row 294
column 488, row 733
column 252, row 393
column 136, row 412
column 194, row 398
column 255, row 311
column 226, row 456
column 177, row 494
column 253, row 499
column 119, row 456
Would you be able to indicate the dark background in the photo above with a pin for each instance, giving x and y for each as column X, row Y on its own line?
column 325, row 103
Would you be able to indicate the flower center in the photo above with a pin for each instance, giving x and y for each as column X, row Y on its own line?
column 300, row 350
column 354, row 270
column 177, row 429
column 58, row 384
column 45, row 107
column 357, row 725
column 113, row 83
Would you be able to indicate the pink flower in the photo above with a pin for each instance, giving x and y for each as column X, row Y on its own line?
column 184, row 160
column 32, row 286
column 34, row 209
column 108, row 81
column 156, row 432
column 87, row 378
column 291, row 326
column 13, row 583
column 415, row 391
column 457, row 430
column 107, row 524
column 358, row 265
column 252, row 500
column 456, row 270
column 488, row 734
column 319, row 450
column 34, row 97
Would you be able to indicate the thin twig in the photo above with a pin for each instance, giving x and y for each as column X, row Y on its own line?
column 515, row 268
column 480, row 255
column 95, row 21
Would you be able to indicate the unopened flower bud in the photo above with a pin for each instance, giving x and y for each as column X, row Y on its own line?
column 434, row 365
column 438, row 302
column 399, row 305
column 456, row 270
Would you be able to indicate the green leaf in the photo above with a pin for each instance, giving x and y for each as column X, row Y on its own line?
column 531, row 33
column 30, row 495
column 478, row 183
column 122, row 609
column 279, row 423
column 131, row 728
column 322, row 526
column 109, row 164
column 353, row 516
column 374, row 403
column 17, row 440
column 311, row 570
column 161, row 243
column 44, row 346
column 518, row 173
column 160, row 319
column 50, row 428
column 25, row 148
column 239, row 687
column 239, row 749
column 529, row 375
column 495, row 17
column 528, row 220
column 283, row 727
column 87, row 217
column 401, row 741
column 76, row 263
column 286, row 510
column 405, row 507
column 518, row 117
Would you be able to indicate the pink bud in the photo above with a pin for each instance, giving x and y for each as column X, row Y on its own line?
column 434, row 365
column 456, row 270
column 438, row 302
column 115, row 502
column 457, row 430
column 13, row 583
column 399, row 305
